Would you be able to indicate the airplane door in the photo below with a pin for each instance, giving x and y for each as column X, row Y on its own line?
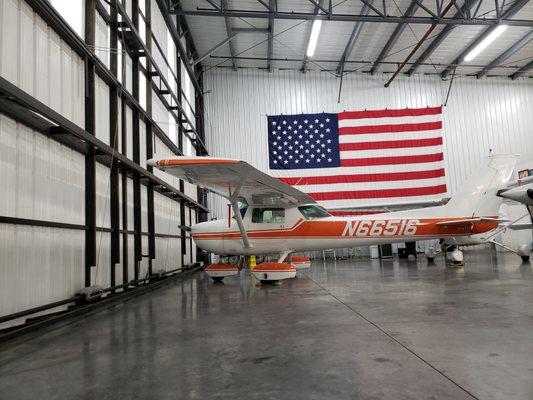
column 266, row 227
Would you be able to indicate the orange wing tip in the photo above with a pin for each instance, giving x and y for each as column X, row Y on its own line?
column 199, row 161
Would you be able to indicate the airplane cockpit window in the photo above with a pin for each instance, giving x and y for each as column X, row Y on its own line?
column 313, row 212
column 268, row 215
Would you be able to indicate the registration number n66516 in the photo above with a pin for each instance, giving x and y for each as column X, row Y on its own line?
column 391, row 227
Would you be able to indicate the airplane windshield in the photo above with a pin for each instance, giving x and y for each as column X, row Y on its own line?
column 313, row 212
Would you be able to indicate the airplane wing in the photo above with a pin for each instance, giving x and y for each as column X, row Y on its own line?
column 232, row 178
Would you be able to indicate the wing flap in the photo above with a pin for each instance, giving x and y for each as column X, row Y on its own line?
column 227, row 177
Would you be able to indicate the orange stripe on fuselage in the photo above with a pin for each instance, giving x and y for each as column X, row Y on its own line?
column 331, row 229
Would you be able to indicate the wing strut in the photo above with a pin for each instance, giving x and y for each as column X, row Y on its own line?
column 234, row 204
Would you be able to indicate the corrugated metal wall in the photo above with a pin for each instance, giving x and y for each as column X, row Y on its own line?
column 39, row 179
column 43, row 180
column 481, row 114
column 33, row 57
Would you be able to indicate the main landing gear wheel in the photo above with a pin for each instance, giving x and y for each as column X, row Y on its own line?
column 300, row 262
column 525, row 259
column 272, row 272
column 219, row 271
column 430, row 259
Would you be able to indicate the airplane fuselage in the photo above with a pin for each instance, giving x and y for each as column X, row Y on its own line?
column 294, row 232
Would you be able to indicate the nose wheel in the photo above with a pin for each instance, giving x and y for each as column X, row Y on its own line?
column 457, row 258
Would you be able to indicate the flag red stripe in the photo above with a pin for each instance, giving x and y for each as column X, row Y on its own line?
column 381, row 193
column 363, row 162
column 407, row 112
column 391, row 128
column 391, row 144
column 379, row 177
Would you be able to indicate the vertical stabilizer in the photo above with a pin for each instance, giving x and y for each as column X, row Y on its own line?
column 477, row 198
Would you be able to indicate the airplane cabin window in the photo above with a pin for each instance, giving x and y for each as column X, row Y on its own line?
column 268, row 215
column 243, row 207
column 313, row 212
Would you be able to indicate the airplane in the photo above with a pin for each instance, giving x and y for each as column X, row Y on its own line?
column 271, row 217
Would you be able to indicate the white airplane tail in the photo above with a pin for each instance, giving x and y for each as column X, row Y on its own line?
column 478, row 197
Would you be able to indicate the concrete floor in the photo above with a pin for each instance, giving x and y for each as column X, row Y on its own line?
column 364, row 329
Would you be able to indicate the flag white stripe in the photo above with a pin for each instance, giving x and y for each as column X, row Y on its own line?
column 411, row 151
column 378, row 137
column 390, row 120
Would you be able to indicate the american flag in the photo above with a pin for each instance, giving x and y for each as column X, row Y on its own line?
column 360, row 158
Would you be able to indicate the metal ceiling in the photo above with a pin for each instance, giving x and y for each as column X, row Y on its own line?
column 363, row 35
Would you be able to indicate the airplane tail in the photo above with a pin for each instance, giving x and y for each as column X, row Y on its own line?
column 477, row 198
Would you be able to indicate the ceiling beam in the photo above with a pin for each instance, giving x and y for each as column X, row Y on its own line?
column 351, row 41
column 264, row 4
column 389, row 19
column 522, row 71
column 395, row 36
column 439, row 39
column 476, row 67
column 250, row 30
column 229, row 31
column 319, row 5
column 316, row 13
column 512, row 10
column 506, row 54
column 272, row 7
column 215, row 48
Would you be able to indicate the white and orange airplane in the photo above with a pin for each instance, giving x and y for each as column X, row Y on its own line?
column 271, row 217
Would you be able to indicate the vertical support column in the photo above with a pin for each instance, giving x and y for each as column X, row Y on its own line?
column 183, row 244
column 124, row 194
column 190, row 238
column 201, row 216
column 137, row 217
column 113, row 141
column 124, row 176
column 90, row 160
column 149, row 139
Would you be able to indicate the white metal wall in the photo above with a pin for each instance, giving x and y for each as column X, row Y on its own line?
column 33, row 57
column 481, row 114
column 39, row 179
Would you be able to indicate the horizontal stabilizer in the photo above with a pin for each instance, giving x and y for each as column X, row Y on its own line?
column 520, row 227
column 522, row 194
column 470, row 221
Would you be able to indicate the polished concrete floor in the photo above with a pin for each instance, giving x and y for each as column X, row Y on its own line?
column 364, row 329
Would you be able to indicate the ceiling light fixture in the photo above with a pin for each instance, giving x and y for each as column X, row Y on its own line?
column 485, row 42
column 313, row 39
